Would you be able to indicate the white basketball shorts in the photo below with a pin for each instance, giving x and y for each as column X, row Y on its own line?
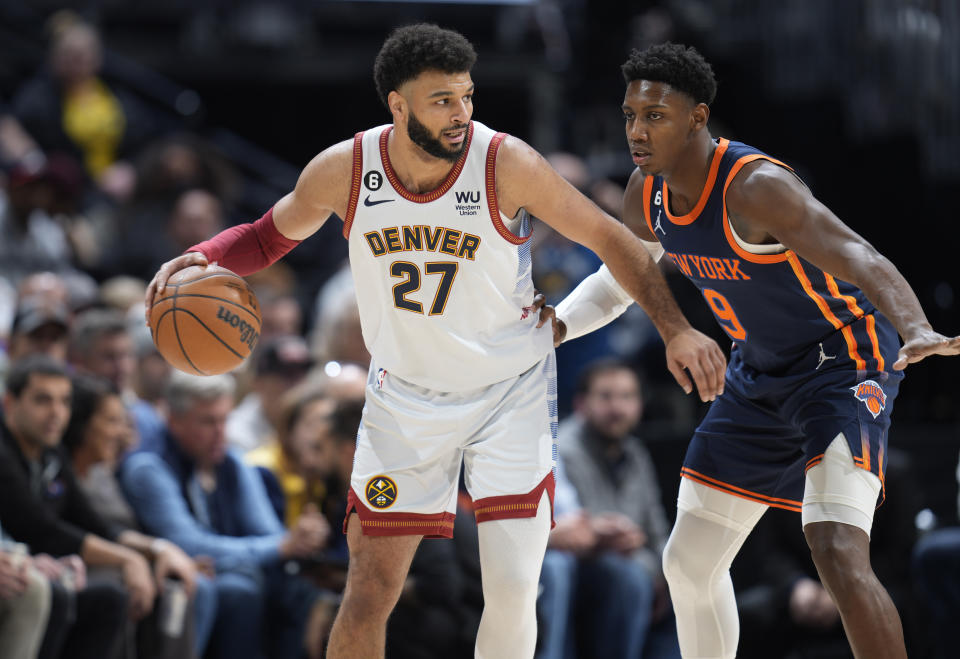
column 412, row 442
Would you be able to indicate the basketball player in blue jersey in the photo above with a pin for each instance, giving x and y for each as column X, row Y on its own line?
column 435, row 209
column 813, row 311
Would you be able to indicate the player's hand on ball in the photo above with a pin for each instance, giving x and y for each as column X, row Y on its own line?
column 925, row 345
column 702, row 357
column 159, row 281
column 549, row 313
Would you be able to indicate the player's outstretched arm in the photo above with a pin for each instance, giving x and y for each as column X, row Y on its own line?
column 767, row 198
column 525, row 179
column 599, row 299
column 323, row 188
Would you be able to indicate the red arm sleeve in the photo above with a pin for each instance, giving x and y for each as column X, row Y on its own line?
column 247, row 248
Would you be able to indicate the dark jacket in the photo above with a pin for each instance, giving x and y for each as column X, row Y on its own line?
column 42, row 504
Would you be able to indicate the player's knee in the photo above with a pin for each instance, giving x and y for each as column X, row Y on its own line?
column 841, row 554
column 372, row 590
column 679, row 568
column 508, row 582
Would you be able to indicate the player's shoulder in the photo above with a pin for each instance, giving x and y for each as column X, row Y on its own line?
column 514, row 152
column 761, row 177
column 335, row 163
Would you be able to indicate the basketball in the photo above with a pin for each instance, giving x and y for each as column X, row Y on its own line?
column 207, row 321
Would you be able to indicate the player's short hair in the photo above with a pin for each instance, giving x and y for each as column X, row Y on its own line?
column 681, row 67
column 412, row 49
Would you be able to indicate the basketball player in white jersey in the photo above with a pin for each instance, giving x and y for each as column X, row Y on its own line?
column 436, row 211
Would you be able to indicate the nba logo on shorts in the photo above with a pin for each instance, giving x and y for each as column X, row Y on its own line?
column 381, row 376
column 872, row 396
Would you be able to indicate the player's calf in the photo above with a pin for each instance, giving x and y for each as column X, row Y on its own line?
column 377, row 573
column 841, row 553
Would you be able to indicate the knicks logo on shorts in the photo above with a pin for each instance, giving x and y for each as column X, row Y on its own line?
column 381, row 492
column 871, row 394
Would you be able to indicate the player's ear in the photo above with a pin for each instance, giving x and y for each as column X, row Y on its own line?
column 397, row 104
column 699, row 116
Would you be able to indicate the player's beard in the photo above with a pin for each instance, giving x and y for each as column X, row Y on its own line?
column 420, row 135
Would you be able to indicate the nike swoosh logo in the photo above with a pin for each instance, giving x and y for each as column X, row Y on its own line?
column 367, row 201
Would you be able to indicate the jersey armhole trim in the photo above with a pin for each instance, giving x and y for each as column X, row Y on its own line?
column 491, row 185
column 728, row 230
column 354, row 183
column 647, row 192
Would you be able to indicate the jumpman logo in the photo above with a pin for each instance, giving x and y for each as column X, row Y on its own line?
column 657, row 226
column 823, row 358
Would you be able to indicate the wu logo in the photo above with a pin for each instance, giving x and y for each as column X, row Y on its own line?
column 468, row 197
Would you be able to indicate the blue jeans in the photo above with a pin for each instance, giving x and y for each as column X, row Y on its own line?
column 608, row 599
column 936, row 568
column 558, row 581
column 261, row 612
column 204, row 612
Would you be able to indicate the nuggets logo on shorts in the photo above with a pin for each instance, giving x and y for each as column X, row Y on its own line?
column 872, row 396
column 381, row 492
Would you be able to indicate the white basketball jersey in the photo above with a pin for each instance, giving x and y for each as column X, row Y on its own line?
column 442, row 283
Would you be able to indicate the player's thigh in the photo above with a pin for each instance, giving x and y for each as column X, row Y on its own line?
column 407, row 457
column 512, row 450
column 840, row 489
column 378, row 564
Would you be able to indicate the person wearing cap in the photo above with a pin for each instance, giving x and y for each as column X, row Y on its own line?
column 279, row 364
column 40, row 326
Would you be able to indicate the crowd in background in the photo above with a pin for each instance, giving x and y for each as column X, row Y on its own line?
column 149, row 513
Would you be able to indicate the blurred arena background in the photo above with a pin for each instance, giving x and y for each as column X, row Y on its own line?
column 862, row 97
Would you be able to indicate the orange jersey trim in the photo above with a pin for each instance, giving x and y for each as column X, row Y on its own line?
column 808, row 288
column 872, row 333
column 728, row 230
column 691, row 217
column 813, row 462
column 433, row 195
column 852, row 348
column 835, row 292
column 786, row 504
column 354, row 184
column 647, row 193
column 491, row 184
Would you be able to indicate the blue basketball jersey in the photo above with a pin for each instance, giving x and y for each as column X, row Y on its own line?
column 774, row 306
column 812, row 358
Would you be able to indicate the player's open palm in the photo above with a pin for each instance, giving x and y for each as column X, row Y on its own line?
column 159, row 281
column 925, row 345
column 694, row 352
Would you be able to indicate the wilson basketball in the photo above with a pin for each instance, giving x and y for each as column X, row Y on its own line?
column 207, row 320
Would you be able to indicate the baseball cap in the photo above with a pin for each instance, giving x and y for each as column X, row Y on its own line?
column 34, row 313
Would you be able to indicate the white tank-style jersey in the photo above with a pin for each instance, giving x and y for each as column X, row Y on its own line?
column 443, row 284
